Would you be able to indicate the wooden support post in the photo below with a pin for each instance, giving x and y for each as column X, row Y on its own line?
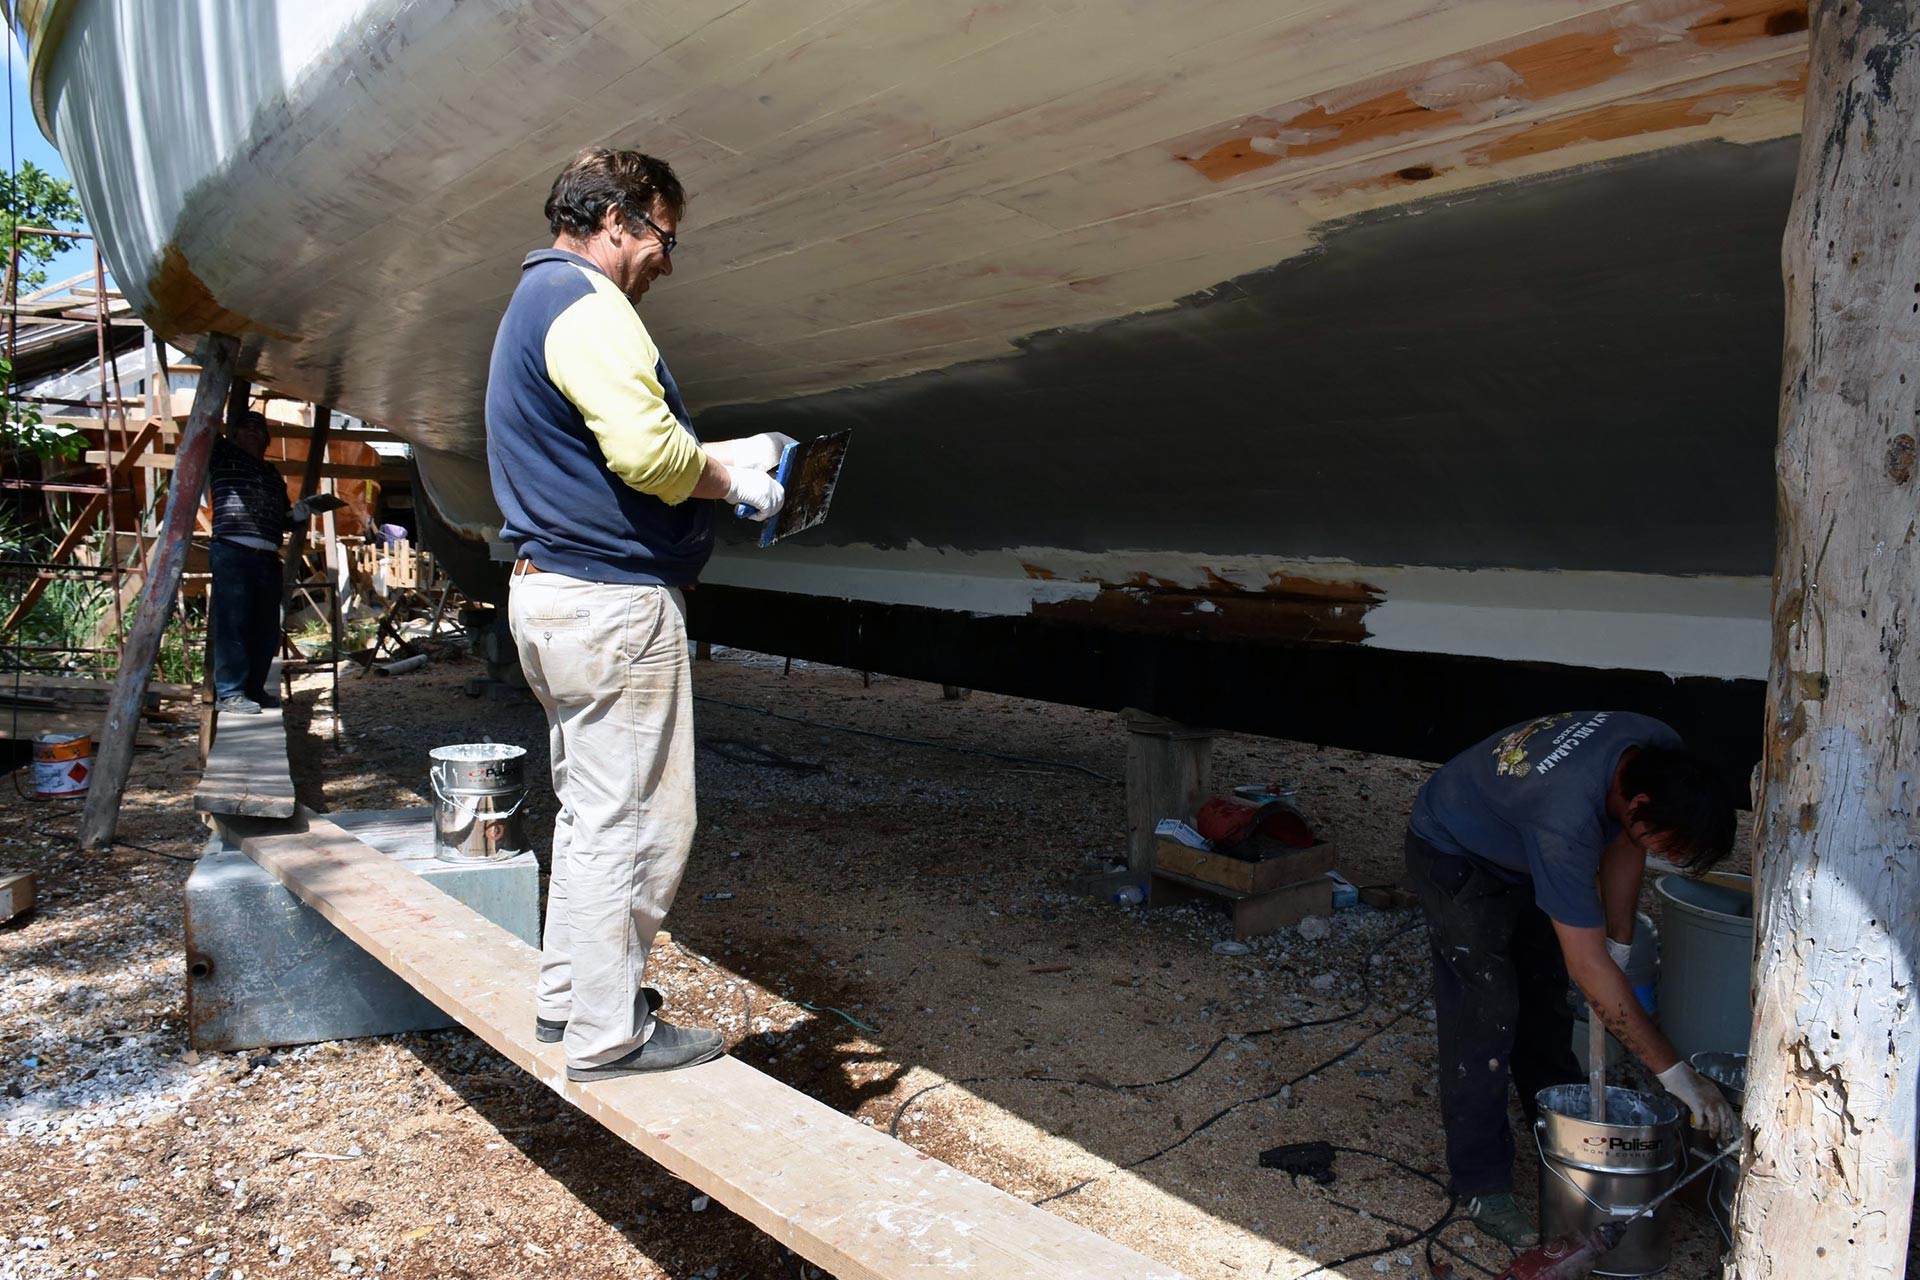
column 1169, row 774
column 1828, row 1183
column 169, row 560
column 309, row 485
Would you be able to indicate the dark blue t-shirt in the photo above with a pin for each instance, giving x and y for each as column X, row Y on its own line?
column 1531, row 803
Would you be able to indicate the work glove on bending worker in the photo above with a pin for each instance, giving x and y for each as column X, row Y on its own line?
column 1619, row 953
column 749, row 487
column 1703, row 1098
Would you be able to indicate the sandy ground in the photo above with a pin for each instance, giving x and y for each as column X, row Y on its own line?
column 898, row 941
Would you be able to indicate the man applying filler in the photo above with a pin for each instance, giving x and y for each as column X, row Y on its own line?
column 1527, row 852
column 598, row 474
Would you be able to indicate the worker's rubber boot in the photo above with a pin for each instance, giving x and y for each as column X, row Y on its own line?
column 668, row 1049
column 1500, row 1217
column 554, row 1030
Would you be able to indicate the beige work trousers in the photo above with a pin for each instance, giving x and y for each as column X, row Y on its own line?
column 608, row 662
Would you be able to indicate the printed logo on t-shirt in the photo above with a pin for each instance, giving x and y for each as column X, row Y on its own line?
column 1514, row 755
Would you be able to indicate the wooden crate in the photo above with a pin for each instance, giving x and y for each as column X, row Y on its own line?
column 1254, row 914
column 1240, row 875
column 16, row 894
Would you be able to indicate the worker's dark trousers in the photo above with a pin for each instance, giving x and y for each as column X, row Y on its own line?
column 247, row 588
column 1500, row 994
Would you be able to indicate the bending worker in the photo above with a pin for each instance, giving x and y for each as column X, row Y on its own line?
column 598, row 474
column 1526, row 852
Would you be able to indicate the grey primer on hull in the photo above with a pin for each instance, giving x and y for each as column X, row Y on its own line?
column 1574, row 372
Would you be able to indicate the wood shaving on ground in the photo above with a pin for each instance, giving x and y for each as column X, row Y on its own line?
column 892, row 933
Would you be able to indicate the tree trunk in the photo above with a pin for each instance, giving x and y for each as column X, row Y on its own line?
column 1831, row 1085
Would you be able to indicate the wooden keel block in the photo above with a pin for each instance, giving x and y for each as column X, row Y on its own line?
column 847, row 1198
column 16, row 894
column 1169, row 774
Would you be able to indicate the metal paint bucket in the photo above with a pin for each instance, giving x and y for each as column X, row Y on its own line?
column 62, row 764
column 1728, row 1071
column 1593, row 1173
column 1706, row 963
column 478, row 791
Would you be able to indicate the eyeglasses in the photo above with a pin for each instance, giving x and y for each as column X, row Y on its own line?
column 667, row 238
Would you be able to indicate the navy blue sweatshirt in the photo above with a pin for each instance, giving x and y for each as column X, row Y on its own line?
column 591, row 451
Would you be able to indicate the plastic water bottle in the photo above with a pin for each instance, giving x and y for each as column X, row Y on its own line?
column 1130, row 895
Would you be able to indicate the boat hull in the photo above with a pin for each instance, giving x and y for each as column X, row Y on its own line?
column 1409, row 335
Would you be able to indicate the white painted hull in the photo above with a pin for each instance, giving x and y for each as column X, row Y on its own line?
column 883, row 190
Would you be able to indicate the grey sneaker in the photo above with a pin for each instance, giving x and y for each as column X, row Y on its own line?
column 554, row 1030
column 1504, row 1220
column 668, row 1049
column 238, row 705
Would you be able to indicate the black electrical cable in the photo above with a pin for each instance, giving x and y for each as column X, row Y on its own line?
column 912, row 742
column 1369, row 1002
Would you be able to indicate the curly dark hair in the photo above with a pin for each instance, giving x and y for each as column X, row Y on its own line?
column 601, row 178
column 1686, row 798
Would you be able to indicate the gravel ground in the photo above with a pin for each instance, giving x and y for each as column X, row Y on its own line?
column 883, row 925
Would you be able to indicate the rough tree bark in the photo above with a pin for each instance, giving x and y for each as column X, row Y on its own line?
column 1831, row 1085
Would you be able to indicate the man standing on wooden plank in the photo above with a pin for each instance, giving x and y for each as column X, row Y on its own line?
column 250, row 515
column 1526, row 852
column 594, row 460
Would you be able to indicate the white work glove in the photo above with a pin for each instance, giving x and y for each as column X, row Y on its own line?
column 1703, row 1099
column 1619, row 953
column 761, row 452
column 755, row 489
column 302, row 511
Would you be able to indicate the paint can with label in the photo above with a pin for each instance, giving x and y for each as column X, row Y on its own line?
column 62, row 764
column 1607, row 1171
column 479, row 789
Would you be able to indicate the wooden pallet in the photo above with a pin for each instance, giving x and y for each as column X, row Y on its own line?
column 849, row 1199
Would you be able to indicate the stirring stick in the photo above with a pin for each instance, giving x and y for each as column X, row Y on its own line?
column 1596, row 1065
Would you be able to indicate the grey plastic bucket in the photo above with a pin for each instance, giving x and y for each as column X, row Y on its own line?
column 1728, row 1071
column 1594, row 1173
column 479, row 789
column 1706, row 963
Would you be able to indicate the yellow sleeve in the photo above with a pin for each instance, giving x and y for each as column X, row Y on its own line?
column 601, row 358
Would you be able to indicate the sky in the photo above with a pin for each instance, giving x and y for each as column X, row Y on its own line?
column 25, row 142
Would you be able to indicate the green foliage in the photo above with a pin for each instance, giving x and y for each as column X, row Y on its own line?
column 21, row 427
column 35, row 198
column 72, row 606
column 183, row 657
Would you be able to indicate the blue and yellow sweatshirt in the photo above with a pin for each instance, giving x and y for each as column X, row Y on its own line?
column 592, row 454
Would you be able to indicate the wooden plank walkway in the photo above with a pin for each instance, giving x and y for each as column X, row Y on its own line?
column 247, row 774
column 847, row 1198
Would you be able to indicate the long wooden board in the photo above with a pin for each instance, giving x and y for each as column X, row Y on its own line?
column 247, row 773
column 842, row 1195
